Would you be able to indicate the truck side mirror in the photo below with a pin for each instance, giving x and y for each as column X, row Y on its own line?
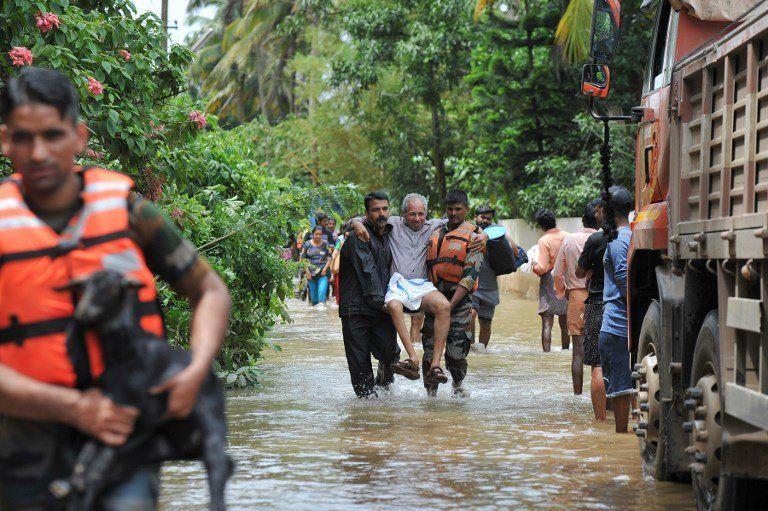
column 606, row 17
column 595, row 80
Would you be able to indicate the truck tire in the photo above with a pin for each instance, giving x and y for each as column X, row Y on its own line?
column 713, row 491
column 648, row 377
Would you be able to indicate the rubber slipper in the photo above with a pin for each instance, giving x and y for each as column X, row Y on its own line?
column 407, row 368
column 436, row 375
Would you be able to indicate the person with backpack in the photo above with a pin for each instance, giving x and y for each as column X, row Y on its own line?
column 510, row 257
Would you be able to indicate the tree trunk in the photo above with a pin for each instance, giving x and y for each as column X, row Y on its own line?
column 164, row 19
column 539, row 136
column 313, row 52
column 437, row 149
column 263, row 100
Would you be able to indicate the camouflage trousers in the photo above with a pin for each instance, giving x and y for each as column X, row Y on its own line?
column 456, row 345
column 33, row 454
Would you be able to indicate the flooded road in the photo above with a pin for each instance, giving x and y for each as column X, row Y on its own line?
column 521, row 440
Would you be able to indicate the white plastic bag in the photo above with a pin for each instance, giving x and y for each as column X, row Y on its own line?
column 533, row 255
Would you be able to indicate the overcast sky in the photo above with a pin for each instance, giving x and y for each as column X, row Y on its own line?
column 177, row 15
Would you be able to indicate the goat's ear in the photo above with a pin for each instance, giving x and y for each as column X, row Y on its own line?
column 74, row 284
column 131, row 283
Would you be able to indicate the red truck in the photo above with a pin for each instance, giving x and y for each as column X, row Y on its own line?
column 698, row 261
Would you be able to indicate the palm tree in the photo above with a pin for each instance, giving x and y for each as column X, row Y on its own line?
column 572, row 34
column 241, row 65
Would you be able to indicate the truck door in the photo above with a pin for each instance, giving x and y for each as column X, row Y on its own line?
column 653, row 132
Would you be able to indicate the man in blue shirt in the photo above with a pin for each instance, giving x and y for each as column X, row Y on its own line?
column 614, row 351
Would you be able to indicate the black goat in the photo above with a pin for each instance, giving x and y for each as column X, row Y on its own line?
column 136, row 361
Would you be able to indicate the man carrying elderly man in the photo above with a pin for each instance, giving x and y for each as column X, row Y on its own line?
column 409, row 288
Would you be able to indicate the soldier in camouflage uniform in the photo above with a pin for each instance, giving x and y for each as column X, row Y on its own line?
column 459, row 295
column 43, row 425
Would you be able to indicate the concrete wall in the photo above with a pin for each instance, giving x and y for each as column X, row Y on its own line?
column 527, row 235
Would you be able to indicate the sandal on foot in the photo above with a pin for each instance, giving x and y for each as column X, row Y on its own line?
column 436, row 375
column 407, row 368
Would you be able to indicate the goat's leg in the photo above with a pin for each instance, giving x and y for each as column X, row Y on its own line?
column 219, row 467
column 96, row 473
column 72, row 487
column 217, row 463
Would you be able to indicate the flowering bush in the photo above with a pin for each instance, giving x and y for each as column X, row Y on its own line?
column 116, row 59
column 221, row 192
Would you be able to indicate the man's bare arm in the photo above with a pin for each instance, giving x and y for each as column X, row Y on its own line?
column 362, row 232
column 93, row 413
column 211, row 302
column 458, row 295
column 176, row 261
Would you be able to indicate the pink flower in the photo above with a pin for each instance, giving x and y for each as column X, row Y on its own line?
column 20, row 56
column 198, row 118
column 125, row 54
column 47, row 21
column 177, row 213
column 94, row 86
column 95, row 155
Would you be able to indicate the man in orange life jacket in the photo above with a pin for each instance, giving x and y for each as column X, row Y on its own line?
column 59, row 222
column 454, row 270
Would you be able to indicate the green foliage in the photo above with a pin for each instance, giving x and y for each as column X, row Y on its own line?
column 548, row 175
column 417, row 52
column 416, row 95
column 240, row 216
column 272, row 62
column 566, row 184
column 242, row 64
column 522, row 105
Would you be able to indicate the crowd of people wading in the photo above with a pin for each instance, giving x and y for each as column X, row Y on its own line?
column 76, row 433
column 443, row 273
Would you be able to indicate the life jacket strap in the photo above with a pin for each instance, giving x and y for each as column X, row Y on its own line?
column 62, row 248
column 450, row 260
column 18, row 332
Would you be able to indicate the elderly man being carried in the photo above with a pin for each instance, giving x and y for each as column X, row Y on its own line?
column 410, row 290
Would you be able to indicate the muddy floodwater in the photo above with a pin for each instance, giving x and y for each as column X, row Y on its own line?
column 302, row 441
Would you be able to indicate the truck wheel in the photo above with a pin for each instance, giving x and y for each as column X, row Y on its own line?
column 713, row 491
column 652, row 444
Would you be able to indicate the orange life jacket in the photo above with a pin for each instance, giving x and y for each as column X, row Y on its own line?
column 35, row 262
column 447, row 253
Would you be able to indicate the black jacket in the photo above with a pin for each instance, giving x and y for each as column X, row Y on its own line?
column 364, row 271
